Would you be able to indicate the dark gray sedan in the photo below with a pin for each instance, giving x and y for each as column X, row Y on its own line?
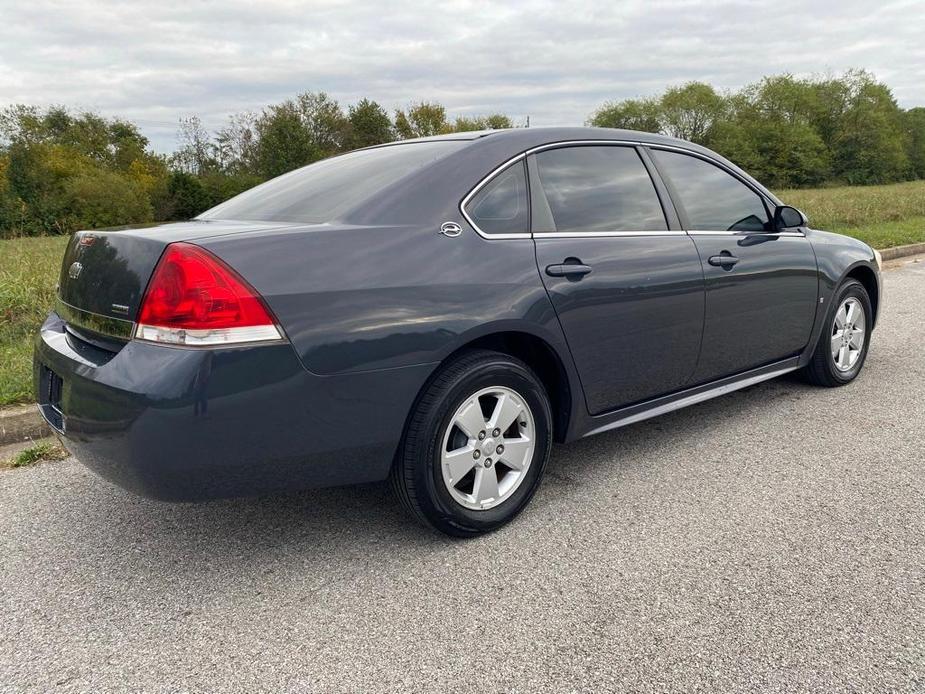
column 438, row 312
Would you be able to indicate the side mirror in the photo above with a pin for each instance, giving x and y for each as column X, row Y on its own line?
column 786, row 217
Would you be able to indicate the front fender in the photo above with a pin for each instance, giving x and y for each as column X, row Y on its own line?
column 837, row 258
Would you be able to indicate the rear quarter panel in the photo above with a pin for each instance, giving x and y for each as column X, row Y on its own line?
column 357, row 298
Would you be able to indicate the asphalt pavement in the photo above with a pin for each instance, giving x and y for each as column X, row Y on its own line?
column 772, row 540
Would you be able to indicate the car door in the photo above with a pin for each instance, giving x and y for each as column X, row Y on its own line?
column 627, row 287
column 761, row 285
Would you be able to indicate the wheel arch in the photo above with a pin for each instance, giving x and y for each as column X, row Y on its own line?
column 540, row 355
column 867, row 277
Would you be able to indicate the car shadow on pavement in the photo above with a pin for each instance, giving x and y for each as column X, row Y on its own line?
column 353, row 526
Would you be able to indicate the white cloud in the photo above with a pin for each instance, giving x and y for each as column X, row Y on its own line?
column 554, row 61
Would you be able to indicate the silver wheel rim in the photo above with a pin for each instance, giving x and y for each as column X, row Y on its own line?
column 848, row 334
column 487, row 448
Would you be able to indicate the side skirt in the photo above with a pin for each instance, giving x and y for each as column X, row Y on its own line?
column 691, row 396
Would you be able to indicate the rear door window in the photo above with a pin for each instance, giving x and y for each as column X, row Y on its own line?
column 599, row 189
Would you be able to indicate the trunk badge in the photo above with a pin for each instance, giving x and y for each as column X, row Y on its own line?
column 74, row 270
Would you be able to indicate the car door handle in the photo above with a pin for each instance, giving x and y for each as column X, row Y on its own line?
column 568, row 270
column 724, row 260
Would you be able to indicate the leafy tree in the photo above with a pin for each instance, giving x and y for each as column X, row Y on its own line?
column 195, row 154
column 187, row 195
column 632, row 114
column 369, row 125
column 495, row 121
column 102, row 198
column 869, row 144
column 915, row 138
column 236, row 144
column 220, row 186
column 283, row 143
column 325, row 122
column 768, row 131
column 689, row 111
column 297, row 132
column 421, row 120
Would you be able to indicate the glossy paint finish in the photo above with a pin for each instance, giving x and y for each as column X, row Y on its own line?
column 634, row 324
column 360, row 298
column 759, row 310
column 115, row 264
column 179, row 424
column 371, row 304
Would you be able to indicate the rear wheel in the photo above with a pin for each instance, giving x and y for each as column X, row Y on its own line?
column 842, row 348
column 476, row 445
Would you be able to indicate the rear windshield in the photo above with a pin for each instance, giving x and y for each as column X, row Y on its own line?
column 325, row 190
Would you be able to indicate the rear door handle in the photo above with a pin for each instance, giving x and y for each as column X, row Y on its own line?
column 724, row 260
column 568, row 270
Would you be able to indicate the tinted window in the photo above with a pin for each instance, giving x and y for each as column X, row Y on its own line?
column 501, row 206
column 713, row 199
column 323, row 191
column 599, row 189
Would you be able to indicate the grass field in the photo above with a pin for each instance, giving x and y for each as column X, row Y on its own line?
column 28, row 274
column 883, row 216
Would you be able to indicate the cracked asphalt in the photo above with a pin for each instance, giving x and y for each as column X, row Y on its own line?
column 770, row 540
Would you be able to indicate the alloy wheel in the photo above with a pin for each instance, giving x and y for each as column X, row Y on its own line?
column 487, row 448
column 848, row 334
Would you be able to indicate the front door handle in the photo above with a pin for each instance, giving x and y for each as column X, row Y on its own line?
column 572, row 269
column 724, row 260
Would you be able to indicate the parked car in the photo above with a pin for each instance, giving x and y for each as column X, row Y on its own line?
column 438, row 312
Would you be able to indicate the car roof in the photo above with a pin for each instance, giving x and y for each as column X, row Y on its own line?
column 485, row 151
column 545, row 135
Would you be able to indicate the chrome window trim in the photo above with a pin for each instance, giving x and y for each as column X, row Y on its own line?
column 769, row 204
column 735, row 174
column 704, row 232
column 604, row 234
column 523, row 155
column 481, row 184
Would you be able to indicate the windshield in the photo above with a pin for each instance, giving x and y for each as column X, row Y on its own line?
column 323, row 191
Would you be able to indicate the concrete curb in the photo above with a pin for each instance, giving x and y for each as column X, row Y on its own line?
column 902, row 251
column 21, row 423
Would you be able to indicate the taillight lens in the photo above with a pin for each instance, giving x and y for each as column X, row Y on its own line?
column 194, row 299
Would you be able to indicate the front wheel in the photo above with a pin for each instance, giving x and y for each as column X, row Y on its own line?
column 476, row 444
column 842, row 347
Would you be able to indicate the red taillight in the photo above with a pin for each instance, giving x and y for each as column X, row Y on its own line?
column 193, row 298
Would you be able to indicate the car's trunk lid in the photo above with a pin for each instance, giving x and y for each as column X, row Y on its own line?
column 104, row 273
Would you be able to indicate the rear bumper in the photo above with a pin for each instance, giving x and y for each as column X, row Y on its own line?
column 187, row 424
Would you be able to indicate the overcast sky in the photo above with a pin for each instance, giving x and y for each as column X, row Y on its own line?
column 155, row 61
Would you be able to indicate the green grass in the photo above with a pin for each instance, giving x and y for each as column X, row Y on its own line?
column 890, row 234
column 28, row 275
column 883, row 216
column 38, row 452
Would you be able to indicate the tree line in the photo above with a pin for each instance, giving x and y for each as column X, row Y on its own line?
column 790, row 132
column 62, row 170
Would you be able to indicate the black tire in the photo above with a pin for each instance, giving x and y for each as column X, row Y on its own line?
column 821, row 370
column 417, row 475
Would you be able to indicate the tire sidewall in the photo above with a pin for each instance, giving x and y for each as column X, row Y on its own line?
column 500, row 372
column 854, row 289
